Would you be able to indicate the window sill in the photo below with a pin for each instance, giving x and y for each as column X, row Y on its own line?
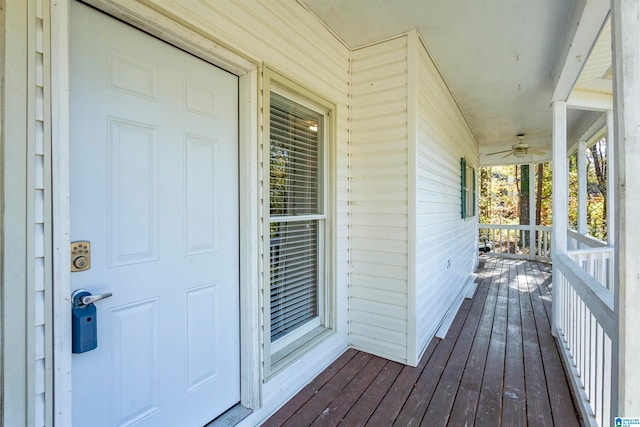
column 287, row 355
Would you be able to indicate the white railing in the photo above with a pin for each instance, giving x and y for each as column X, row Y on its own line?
column 585, row 323
column 598, row 262
column 514, row 241
column 582, row 241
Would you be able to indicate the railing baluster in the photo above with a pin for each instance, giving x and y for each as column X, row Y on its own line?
column 599, row 376
column 594, row 362
column 606, row 397
column 518, row 241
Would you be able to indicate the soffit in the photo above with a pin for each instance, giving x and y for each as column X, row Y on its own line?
column 495, row 56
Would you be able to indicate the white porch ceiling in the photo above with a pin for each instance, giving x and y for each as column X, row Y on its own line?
column 497, row 57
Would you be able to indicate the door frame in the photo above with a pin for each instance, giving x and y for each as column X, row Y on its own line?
column 189, row 39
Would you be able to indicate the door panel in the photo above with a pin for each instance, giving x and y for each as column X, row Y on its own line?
column 154, row 188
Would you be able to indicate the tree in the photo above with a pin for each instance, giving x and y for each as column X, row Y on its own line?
column 540, row 180
column 504, row 195
column 597, row 206
column 524, row 198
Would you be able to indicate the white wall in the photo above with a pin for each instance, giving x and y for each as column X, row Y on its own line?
column 379, row 221
column 411, row 253
column 446, row 251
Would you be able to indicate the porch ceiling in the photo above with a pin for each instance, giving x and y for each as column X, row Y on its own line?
column 497, row 57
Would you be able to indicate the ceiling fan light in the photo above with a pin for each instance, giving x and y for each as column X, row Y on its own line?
column 519, row 154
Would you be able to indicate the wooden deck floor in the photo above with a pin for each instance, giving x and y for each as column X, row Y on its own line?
column 498, row 365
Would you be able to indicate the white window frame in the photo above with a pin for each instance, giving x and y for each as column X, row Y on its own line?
column 284, row 351
column 468, row 185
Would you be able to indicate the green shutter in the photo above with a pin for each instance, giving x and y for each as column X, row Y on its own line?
column 473, row 208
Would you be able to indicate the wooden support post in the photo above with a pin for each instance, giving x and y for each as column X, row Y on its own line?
column 611, row 181
column 582, row 187
column 626, row 76
column 560, row 199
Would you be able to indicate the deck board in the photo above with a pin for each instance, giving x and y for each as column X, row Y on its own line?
column 416, row 405
column 559, row 395
column 490, row 404
column 439, row 409
column 393, row 401
column 466, row 401
column 515, row 405
column 498, row 365
column 370, row 400
column 321, row 400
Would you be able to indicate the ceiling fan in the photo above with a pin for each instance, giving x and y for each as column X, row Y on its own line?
column 520, row 149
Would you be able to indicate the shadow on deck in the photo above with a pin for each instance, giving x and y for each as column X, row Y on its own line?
column 498, row 365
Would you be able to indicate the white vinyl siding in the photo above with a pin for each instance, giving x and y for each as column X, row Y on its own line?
column 411, row 253
column 379, row 185
column 446, row 249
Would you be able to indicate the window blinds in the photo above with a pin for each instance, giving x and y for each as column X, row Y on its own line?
column 294, row 275
column 295, row 164
column 294, row 158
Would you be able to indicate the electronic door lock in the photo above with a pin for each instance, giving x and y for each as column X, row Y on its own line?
column 80, row 255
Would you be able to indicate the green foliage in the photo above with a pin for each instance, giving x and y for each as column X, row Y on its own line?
column 503, row 188
column 596, row 190
column 545, row 216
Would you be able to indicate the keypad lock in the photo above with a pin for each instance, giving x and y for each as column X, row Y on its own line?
column 80, row 255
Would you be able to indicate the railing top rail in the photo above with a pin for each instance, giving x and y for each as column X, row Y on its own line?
column 513, row 227
column 587, row 240
column 590, row 251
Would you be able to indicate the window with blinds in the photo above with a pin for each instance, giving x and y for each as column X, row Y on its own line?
column 296, row 219
column 467, row 189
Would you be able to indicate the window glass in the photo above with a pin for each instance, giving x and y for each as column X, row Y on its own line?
column 298, row 301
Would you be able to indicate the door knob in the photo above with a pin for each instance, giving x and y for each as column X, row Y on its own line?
column 81, row 297
column 84, row 331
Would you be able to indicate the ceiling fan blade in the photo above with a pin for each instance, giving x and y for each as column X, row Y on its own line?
column 499, row 152
column 510, row 153
column 538, row 152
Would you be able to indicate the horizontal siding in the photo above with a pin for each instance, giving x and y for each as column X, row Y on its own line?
column 445, row 244
column 378, row 209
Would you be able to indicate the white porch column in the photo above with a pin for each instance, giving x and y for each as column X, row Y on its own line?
column 533, row 242
column 560, row 199
column 582, row 187
column 611, row 181
column 626, row 76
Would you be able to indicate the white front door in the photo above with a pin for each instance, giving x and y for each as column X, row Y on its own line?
column 154, row 188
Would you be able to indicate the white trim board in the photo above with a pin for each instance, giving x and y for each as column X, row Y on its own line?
column 467, row 292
